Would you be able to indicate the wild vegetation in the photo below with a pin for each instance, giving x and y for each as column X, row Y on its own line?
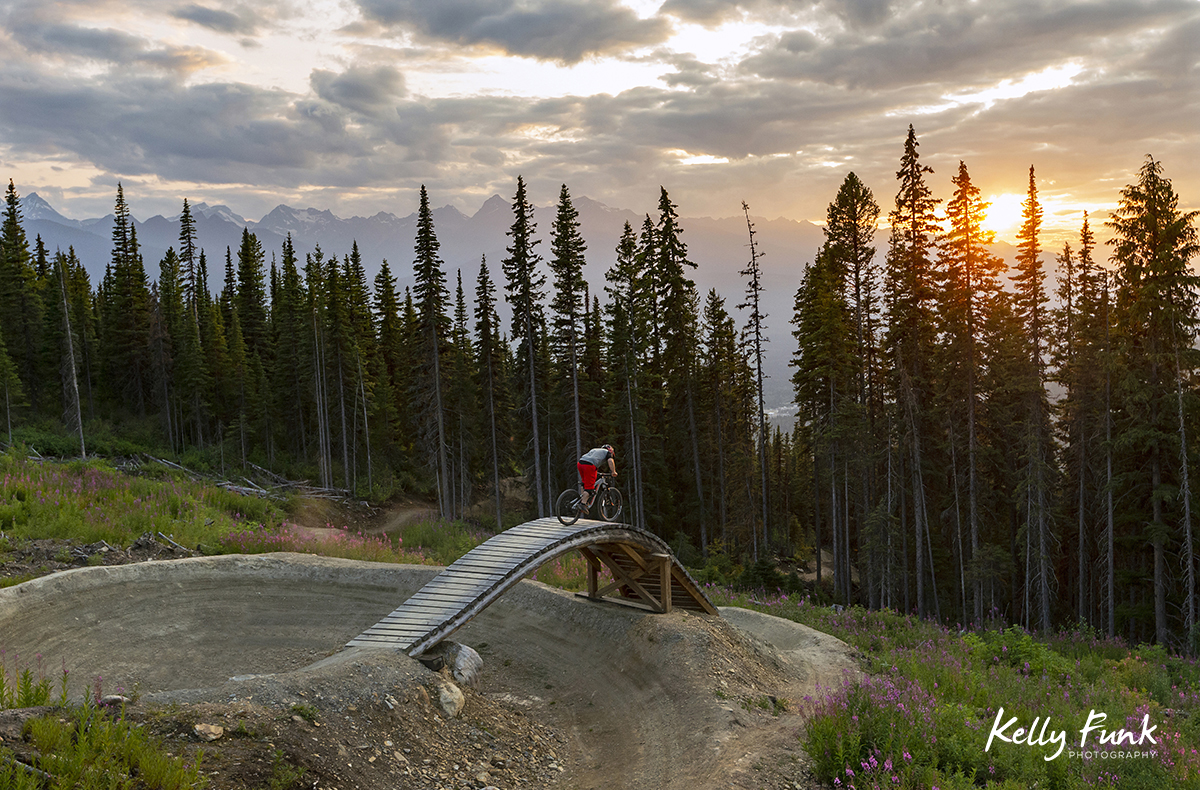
column 922, row 716
column 928, row 456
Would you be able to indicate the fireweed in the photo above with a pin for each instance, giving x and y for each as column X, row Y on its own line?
column 921, row 716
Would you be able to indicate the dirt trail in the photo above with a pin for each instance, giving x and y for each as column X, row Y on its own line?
column 319, row 519
column 639, row 700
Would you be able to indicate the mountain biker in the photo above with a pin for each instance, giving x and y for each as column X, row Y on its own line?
column 589, row 464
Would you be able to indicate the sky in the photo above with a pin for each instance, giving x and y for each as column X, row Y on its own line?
column 352, row 105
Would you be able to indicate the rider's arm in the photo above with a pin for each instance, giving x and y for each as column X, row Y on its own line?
column 612, row 466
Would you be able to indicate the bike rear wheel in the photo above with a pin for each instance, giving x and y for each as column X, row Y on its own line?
column 568, row 508
column 610, row 504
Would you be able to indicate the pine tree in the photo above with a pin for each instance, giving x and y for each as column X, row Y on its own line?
column 83, row 318
column 433, row 330
column 20, row 300
column 1156, row 323
column 187, row 259
column 251, row 298
column 970, row 286
column 824, row 384
column 628, row 342
column 679, row 331
column 393, row 370
column 909, row 294
column 490, row 367
column 850, row 226
column 463, row 401
column 569, row 303
column 1030, row 299
column 127, row 323
column 10, row 382
column 523, row 290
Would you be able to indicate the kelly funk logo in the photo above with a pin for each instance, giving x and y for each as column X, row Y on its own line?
column 1095, row 741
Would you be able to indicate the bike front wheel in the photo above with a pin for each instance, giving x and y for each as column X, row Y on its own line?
column 610, row 504
column 568, row 507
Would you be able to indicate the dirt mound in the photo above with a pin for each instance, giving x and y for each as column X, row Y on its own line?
column 590, row 695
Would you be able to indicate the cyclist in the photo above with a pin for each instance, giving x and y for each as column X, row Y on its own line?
column 588, row 466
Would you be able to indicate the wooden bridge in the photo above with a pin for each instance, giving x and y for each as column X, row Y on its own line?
column 645, row 575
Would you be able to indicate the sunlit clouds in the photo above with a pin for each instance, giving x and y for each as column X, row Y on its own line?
column 359, row 102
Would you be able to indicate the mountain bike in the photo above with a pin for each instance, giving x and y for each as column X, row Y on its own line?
column 569, row 506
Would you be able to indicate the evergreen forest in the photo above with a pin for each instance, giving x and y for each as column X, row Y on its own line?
column 974, row 442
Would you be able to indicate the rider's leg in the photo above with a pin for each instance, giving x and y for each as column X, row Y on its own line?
column 587, row 476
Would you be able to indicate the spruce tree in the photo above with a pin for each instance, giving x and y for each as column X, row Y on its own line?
column 569, row 302
column 127, row 323
column 20, row 300
column 188, row 251
column 628, row 343
column 1155, row 323
column 490, row 377
column 679, row 331
column 851, row 221
column 523, row 288
column 910, row 287
column 1030, row 300
column 433, row 330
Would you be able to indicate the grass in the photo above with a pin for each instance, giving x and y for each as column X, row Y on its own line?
column 82, row 746
column 922, row 716
column 89, row 747
column 89, row 501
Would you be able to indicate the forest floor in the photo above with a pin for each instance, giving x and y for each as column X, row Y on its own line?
column 573, row 694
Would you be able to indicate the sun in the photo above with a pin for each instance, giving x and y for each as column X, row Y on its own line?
column 1004, row 215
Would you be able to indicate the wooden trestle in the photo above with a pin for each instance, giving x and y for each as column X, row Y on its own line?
column 645, row 575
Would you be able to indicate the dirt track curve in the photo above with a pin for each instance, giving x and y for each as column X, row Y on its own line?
column 649, row 701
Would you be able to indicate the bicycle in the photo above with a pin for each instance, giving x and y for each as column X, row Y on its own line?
column 569, row 506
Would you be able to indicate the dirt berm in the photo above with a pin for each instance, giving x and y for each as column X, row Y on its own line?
column 637, row 700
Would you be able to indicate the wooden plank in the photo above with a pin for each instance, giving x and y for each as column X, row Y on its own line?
column 382, row 641
column 408, row 636
column 418, row 606
column 396, row 631
column 503, row 553
column 429, row 617
column 471, row 567
column 514, row 546
column 538, row 529
column 414, row 624
column 457, row 583
column 450, row 601
column 488, row 561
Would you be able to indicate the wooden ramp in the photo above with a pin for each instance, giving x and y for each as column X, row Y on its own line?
column 645, row 573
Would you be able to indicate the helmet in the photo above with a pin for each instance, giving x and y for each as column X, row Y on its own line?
column 610, row 449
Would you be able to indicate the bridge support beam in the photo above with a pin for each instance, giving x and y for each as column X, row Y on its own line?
column 642, row 580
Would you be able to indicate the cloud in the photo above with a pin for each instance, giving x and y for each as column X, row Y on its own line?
column 566, row 32
column 691, row 72
column 74, row 42
column 245, row 24
column 363, row 90
column 963, row 43
column 712, row 13
column 807, row 105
